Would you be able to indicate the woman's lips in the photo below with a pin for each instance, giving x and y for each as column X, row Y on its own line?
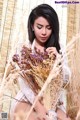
column 44, row 38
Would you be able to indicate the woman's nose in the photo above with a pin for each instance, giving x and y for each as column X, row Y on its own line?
column 44, row 31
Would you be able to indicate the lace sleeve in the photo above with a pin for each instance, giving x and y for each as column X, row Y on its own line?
column 26, row 90
column 66, row 73
column 66, row 68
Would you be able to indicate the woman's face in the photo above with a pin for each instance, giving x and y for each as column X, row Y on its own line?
column 42, row 30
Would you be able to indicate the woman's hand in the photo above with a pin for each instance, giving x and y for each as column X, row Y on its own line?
column 52, row 51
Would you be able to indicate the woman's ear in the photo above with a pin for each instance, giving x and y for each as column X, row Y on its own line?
column 32, row 28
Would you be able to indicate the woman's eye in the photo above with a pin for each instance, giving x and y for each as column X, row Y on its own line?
column 39, row 27
column 49, row 27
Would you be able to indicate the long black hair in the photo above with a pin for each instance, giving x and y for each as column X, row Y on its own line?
column 50, row 14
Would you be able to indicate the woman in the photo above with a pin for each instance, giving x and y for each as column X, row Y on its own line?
column 43, row 30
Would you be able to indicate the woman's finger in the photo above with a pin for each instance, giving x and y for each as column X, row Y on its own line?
column 52, row 50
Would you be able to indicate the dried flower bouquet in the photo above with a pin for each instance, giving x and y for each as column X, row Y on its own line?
column 35, row 68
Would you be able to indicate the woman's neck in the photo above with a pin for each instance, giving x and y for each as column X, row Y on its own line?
column 38, row 46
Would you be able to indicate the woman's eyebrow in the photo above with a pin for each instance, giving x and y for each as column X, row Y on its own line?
column 39, row 24
column 42, row 25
